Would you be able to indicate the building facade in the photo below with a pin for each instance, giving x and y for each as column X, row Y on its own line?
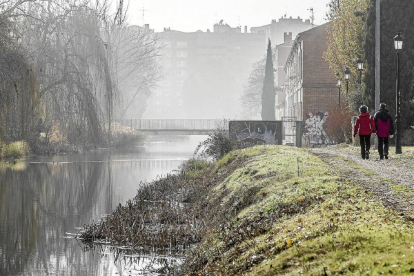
column 310, row 85
column 275, row 31
column 282, row 52
column 204, row 72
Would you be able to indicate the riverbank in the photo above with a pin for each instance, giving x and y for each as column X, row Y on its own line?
column 266, row 211
column 121, row 137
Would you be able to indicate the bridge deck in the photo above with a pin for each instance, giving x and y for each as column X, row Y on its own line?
column 176, row 126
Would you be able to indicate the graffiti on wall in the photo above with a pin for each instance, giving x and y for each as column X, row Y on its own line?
column 314, row 132
column 251, row 133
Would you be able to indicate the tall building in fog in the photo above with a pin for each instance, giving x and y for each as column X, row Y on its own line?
column 277, row 28
column 281, row 53
column 205, row 72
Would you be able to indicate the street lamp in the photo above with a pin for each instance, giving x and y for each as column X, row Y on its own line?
column 347, row 76
column 398, row 44
column 338, row 83
column 360, row 64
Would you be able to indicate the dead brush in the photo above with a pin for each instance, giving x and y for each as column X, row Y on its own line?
column 170, row 214
column 165, row 214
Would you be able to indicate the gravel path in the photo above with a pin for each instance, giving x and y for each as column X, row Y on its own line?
column 391, row 180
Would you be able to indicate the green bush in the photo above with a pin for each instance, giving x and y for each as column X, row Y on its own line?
column 193, row 164
column 216, row 145
column 14, row 150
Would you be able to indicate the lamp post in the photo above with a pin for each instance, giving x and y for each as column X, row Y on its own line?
column 347, row 76
column 360, row 64
column 398, row 44
column 338, row 83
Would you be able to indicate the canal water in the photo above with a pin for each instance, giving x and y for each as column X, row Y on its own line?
column 46, row 199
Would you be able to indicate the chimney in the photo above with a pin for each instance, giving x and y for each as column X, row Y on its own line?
column 245, row 29
column 287, row 37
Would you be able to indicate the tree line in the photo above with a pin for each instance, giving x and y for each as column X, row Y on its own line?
column 353, row 34
column 69, row 69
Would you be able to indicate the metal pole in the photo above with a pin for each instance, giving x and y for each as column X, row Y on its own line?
column 398, row 131
column 377, row 59
column 346, row 95
column 377, row 54
column 339, row 96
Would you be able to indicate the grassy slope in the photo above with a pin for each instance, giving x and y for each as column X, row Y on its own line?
column 314, row 223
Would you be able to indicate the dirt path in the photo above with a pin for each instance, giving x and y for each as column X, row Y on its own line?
column 391, row 180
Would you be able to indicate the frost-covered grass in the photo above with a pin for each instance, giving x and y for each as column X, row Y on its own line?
column 281, row 222
column 267, row 210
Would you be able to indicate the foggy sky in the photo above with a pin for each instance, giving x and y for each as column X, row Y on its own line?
column 193, row 15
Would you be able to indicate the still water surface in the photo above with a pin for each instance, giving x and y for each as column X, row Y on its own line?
column 44, row 199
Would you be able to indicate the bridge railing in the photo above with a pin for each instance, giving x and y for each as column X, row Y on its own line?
column 175, row 124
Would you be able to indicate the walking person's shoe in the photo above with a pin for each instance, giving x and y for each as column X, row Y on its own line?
column 367, row 155
column 386, row 156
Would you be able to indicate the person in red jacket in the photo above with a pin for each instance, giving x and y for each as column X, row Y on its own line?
column 364, row 126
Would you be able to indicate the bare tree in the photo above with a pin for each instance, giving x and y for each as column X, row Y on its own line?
column 251, row 98
column 87, row 64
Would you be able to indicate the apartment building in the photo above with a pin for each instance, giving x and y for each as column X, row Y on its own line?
column 205, row 72
column 275, row 31
column 310, row 85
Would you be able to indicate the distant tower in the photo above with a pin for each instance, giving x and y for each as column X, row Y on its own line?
column 312, row 17
column 143, row 15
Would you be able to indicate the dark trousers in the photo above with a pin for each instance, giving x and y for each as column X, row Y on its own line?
column 365, row 141
column 383, row 146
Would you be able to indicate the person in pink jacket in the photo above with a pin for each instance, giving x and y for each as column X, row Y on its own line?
column 385, row 128
column 364, row 126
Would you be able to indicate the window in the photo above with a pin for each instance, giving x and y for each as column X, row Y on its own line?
column 167, row 92
column 182, row 63
column 180, row 102
column 182, row 54
column 180, row 83
column 181, row 44
column 182, row 73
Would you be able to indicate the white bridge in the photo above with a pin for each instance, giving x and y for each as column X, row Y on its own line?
column 176, row 126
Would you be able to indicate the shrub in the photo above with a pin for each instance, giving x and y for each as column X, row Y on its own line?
column 193, row 164
column 15, row 150
column 216, row 145
column 123, row 136
column 339, row 126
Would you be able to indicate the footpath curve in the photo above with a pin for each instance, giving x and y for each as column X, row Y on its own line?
column 391, row 180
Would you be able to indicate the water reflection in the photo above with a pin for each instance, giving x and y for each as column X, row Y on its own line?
column 44, row 199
